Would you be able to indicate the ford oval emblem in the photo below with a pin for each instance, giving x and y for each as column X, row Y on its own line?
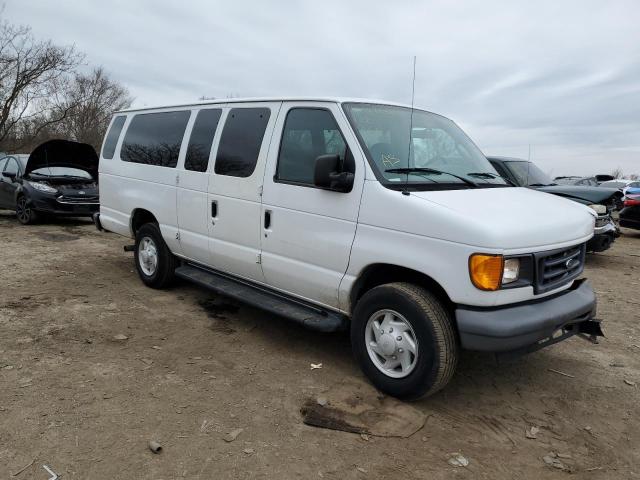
column 81, row 192
column 572, row 263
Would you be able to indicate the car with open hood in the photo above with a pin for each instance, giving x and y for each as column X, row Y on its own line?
column 602, row 200
column 59, row 178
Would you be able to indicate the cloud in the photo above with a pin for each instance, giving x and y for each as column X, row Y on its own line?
column 561, row 76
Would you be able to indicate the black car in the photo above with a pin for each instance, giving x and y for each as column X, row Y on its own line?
column 630, row 214
column 603, row 200
column 59, row 178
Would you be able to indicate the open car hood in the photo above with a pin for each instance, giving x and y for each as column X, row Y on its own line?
column 584, row 194
column 64, row 153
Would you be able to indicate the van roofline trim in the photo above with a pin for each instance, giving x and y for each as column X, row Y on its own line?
column 224, row 101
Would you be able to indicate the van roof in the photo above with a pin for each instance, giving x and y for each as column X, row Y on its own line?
column 269, row 99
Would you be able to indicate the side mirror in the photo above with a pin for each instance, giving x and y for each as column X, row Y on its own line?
column 11, row 175
column 328, row 174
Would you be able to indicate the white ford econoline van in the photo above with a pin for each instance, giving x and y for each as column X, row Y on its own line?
column 346, row 213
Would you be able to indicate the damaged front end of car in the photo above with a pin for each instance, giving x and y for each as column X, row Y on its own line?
column 61, row 178
column 603, row 201
column 605, row 231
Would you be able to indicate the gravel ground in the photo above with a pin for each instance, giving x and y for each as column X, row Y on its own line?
column 194, row 367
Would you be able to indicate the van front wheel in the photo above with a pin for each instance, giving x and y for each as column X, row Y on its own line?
column 404, row 341
column 154, row 261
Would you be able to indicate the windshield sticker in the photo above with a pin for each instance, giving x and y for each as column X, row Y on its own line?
column 390, row 160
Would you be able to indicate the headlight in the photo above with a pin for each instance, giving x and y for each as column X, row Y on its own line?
column 490, row 272
column 599, row 209
column 41, row 187
column 511, row 271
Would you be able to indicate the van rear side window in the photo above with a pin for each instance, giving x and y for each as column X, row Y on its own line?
column 201, row 140
column 155, row 138
column 111, row 141
column 241, row 140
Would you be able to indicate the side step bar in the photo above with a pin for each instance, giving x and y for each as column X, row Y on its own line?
column 308, row 315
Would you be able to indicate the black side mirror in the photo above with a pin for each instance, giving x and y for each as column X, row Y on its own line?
column 11, row 175
column 328, row 174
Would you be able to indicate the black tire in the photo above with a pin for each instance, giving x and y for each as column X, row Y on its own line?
column 163, row 274
column 437, row 353
column 25, row 214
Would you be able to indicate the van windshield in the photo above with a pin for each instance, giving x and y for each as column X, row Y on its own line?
column 420, row 149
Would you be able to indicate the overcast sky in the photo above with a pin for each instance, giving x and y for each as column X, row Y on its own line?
column 562, row 76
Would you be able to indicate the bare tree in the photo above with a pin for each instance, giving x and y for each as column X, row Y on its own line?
column 32, row 73
column 90, row 102
column 634, row 176
column 617, row 173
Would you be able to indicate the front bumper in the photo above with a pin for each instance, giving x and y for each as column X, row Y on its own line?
column 53, row 205
column 603, row 237
column 528, row 326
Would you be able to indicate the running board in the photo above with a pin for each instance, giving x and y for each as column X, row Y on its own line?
column 307, row 315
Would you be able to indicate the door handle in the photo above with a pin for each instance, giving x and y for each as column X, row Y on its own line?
column 267, row 219
column 214, row 209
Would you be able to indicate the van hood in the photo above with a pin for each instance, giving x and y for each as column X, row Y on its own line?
column 64, row 153
column 507, row 218
column 587, row 195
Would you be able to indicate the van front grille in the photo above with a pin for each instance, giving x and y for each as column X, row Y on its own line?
column 558, row 267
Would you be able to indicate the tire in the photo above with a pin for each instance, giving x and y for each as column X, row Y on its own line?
column 431, row 331
column 24, row 213
column 157, row 269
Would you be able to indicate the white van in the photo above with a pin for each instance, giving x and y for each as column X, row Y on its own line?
column 353, row 214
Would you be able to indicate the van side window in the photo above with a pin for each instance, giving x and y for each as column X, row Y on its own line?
column 111, row 141
column 308, row 133
column 241, row 140
column 201, row 140
column 155, row 138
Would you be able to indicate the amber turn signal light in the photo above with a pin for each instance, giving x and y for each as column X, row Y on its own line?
column 486, row 271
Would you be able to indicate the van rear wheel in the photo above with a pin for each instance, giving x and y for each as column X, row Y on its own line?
column 403, row 338
column 154, row 261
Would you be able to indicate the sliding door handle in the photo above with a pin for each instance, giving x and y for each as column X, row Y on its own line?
column 214, row 209
column 267, row 219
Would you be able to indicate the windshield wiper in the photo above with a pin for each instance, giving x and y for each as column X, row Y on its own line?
column 430, row 170
column 542, row 184
column 491, row 175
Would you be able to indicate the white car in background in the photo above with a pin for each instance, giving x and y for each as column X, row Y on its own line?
column 621, row 183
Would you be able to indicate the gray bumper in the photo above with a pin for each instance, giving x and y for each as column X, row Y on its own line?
column 521, row 326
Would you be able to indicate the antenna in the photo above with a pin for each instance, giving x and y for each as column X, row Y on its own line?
column 413, row 93
column 528, row 165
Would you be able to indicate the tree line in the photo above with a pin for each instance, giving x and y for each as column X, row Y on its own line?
column 48, row 91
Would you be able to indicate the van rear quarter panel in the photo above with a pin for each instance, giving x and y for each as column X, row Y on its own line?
column 126, row 186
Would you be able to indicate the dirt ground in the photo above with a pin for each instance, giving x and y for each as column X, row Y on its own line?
column 195, row 367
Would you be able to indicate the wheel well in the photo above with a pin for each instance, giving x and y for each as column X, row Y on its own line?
column 379, row 274
column 139, row 217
